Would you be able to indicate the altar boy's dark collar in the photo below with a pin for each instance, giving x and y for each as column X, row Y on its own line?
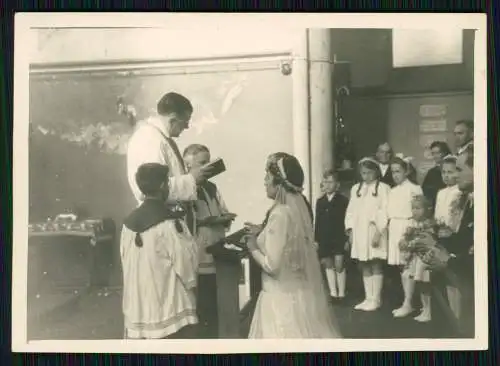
column 150, row 213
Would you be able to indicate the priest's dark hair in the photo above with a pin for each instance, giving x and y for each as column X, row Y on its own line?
column 150, row 177
column 174, row 103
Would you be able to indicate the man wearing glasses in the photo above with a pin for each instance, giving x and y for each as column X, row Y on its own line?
column 153, row 142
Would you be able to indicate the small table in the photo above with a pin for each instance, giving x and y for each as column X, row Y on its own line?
column 101, row 235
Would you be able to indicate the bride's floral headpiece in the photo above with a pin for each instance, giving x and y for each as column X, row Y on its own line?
column 287, row 171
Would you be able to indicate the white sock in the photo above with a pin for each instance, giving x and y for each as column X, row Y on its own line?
column 426, row 302
column 409, row 289
column 368, row 287
column 378, row 281
column 341, row 278
column 331, row 276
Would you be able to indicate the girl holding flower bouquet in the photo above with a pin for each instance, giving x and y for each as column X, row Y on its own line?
column 399, row 212
column 412, row 249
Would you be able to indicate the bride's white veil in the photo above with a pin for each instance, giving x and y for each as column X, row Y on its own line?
column 302, row 256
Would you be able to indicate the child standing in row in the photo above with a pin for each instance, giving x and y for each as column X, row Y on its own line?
column 447, row 219
column 330, row 235
column 421, row 222
column 399, row 212
column 365, row 222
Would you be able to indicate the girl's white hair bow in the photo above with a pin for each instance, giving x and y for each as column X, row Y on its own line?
column 406, row 159
column 367, row 158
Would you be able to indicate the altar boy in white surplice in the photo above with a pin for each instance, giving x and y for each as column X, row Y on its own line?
column 159, row 261
column 153, row 142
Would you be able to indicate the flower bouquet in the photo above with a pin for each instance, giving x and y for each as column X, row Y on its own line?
column 413, row 239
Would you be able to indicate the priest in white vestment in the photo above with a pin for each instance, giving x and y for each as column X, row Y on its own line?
column 153, row 142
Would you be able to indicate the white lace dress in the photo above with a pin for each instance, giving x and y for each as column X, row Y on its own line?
column 292, row 303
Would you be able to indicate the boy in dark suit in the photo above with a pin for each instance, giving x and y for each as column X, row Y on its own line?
column 330, row 233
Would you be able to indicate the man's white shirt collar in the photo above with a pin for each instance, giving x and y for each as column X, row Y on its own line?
column 462, row 149
column 157, row 122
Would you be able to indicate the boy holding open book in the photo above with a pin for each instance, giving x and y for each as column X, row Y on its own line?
column 212, row 222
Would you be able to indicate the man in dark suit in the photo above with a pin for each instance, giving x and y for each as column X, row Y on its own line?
column 455, row 256
column 330, row 233
column 384, row 155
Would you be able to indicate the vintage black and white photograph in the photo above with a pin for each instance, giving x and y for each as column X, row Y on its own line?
column 211, row 177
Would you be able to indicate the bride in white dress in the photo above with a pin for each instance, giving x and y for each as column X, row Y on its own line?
column 293, row 302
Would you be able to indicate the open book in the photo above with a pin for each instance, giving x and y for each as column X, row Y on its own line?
column 216, row 166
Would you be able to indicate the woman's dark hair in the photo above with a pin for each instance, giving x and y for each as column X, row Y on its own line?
column 408, row 167
column 174, row 103
column 442, row 146
column 372, row 166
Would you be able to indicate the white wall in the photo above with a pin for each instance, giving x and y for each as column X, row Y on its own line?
column 86, row 44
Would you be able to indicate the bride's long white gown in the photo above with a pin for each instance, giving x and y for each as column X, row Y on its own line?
column 293, row 302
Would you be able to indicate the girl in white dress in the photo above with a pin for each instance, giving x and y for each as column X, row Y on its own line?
column 399, row 212
column 293, row 302
column 365, row 223
column 447, row 195
column 448, row 220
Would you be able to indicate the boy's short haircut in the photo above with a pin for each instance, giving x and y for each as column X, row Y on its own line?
column 194, row 149
column 330, row 173
column 150, row 177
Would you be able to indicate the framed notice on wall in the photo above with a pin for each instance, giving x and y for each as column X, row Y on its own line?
column 433, row 125
column 433, row 110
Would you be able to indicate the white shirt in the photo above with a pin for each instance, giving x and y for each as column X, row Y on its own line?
column 444, row 200
column 383, row 168
column 329, row 197
column 148, row 145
